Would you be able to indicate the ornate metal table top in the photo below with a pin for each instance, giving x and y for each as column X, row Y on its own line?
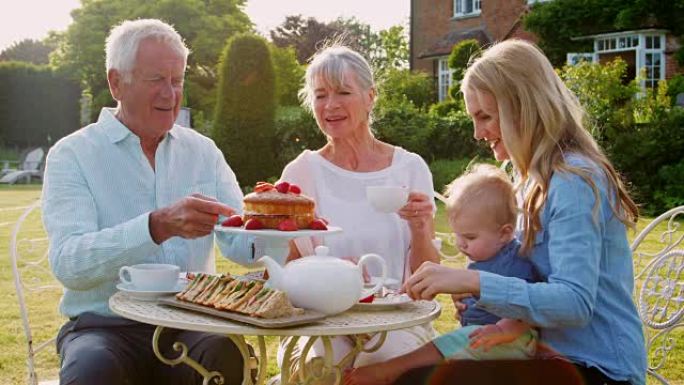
column 349, row 322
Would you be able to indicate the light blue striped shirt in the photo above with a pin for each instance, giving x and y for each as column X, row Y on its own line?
column 98, row 192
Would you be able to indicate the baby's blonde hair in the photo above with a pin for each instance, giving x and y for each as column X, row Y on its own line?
column 486, row 189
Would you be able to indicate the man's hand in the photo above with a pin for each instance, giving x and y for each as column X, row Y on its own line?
column 191, row 217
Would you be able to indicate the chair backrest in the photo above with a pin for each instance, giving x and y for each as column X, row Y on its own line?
column 31, row 273
column 658, row 255
column 33, row 159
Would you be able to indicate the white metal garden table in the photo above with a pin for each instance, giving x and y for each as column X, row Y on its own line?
column 349, row 323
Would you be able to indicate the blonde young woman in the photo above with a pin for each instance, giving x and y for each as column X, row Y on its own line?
column 340, row 91
column 575, row 212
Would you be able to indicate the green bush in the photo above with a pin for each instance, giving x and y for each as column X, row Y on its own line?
column 245, row 109
column 38, row 106
column 446, row 170
column 459, row 58
column 675, row 86
column 417, row 87
column 401, row 123
column 289, row 75
column 296, row 131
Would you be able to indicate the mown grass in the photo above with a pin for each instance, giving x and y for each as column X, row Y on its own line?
column 46, row 320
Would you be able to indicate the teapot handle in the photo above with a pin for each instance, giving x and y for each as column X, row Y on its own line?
column 364, row 260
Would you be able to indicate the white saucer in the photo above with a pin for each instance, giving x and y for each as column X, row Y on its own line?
column 384, row 303
column 150, row 295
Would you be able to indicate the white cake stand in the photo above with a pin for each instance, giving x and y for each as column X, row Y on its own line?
column 276, row 241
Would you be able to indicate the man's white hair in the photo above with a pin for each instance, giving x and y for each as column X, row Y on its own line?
column 124, row 39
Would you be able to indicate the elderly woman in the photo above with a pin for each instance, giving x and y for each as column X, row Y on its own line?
column 340, row 90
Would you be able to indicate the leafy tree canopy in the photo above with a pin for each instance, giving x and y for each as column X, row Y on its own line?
column 28, row 50
column 557, row 22
column 204, row 24
column 384, row 49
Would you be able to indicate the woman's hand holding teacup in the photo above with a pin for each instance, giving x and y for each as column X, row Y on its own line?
column 417, row 211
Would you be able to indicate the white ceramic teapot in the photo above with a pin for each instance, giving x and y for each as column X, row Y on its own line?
column 322, row 283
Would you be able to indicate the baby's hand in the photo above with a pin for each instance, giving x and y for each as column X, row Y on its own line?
column 489, row 336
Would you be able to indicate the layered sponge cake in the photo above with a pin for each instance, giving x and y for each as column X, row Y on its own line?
column 271, row 206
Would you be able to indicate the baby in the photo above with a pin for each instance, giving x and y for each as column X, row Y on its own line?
column 481, row 210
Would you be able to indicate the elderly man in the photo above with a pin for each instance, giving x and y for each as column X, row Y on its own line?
column 135, row 188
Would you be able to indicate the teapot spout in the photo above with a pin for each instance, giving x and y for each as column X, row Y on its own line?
column 275, row 272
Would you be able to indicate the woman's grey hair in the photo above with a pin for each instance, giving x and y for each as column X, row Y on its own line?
column 124, row 39
column 330, row 64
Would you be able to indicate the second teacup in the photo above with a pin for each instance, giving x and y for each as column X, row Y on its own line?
column 150, row 276
column 387, row 199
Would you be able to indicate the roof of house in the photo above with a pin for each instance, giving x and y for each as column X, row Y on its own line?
column 444, row 45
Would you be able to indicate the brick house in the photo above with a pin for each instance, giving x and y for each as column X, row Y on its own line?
column 437, row 25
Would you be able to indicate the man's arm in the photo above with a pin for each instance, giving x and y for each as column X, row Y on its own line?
column 81, row 254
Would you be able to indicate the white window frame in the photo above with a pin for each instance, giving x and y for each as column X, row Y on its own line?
column 444, row 78
column 637, row 41
column 574, row 58
column 461, row 5
column 656, row 50
column 530, row 2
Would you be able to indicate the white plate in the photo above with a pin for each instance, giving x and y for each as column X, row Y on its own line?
column 278, row 233
column 150, row 295
column 384, row 303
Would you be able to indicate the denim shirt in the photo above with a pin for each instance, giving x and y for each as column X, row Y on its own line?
column 506, row 262
column 584, row 308
column 98, row 192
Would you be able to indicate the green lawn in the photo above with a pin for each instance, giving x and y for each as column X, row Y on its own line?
column 43, row 304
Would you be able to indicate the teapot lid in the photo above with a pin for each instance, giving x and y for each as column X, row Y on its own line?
column 321, row 251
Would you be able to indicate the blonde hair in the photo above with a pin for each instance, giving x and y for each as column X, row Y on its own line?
column 541, row 120
column 331, row 64
column 487, row 190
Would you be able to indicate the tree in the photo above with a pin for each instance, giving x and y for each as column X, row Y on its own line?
column 29, row 51
column 205, row 25
column 289, row 75
column 245, row 109
column 383, row 50
column 458, row 61
column 557, row 22
column 304, row 35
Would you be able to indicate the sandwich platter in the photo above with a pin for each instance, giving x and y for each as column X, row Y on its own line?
column 305, row 317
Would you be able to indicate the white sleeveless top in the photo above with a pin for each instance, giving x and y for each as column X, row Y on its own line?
column 340, row 197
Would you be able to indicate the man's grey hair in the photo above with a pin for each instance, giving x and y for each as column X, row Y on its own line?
column 124, row 39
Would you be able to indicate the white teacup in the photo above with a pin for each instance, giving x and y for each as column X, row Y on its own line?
column 387, row 199
column 150, row 276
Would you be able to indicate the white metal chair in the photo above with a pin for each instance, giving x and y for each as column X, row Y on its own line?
column 28, row 255
column 658, row 255
column 29, row 167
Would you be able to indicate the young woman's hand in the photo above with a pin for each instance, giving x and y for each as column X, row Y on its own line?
column 431, row 279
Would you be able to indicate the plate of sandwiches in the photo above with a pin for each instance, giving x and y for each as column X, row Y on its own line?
column 240, row 299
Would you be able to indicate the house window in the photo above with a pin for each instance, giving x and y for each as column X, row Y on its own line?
column 444, row 78
column 643, row 51
column 653, row 67
column 536, row 1
column 574, row 58
column 466, row 8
